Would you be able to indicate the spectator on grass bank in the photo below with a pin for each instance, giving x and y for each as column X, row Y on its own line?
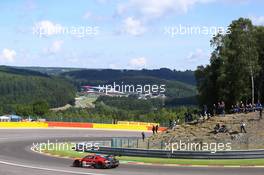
column 242, row 106
column 260, row 113
column 222, row 108
column 174, row 123
column 216, row 128
column 171, row 124
column 153, row 129
column 205, row 112
column 143, row 136
column 242, row 127
column 214, row 109
column 258, row 105
column 157, row 129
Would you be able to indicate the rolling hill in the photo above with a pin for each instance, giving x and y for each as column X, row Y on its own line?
column 20, row 86
column 178, row 84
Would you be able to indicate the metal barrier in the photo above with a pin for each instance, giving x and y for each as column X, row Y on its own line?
column 246, row 154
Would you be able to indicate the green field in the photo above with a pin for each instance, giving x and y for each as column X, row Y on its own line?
column 232, row 162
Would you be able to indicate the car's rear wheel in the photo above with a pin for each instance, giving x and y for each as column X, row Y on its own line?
column 76, row 163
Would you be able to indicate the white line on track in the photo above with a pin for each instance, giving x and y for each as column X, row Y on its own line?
column 47, row 169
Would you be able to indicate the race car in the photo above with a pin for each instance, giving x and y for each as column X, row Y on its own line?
column 96, row 161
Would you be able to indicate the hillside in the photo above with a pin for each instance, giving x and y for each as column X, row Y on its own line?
column 178, row 84
column 95, row 75
column 202, row 132
column 23, row 87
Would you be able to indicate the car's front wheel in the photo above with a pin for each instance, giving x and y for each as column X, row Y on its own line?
column 115, row 166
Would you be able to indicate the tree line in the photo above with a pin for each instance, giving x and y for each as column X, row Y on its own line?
column 236, row 69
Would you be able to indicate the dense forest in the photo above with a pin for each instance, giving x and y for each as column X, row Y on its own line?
column 106, row 75
column 236, row 69
column 22, row 91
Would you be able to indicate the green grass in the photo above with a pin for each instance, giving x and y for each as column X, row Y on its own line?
column 232, row 162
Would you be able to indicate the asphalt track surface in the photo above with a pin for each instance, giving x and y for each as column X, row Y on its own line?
column 16, row 158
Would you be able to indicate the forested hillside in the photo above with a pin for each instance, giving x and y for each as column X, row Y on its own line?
column 175, row 84
column 22, row 88
column 105, row 75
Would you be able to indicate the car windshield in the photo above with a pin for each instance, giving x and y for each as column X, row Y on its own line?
column 89, row 157
column 109, row 157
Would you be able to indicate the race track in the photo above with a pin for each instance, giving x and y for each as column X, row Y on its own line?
column 16, row 158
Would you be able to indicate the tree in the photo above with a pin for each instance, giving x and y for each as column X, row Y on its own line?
column 259, row 35
column 233, row 66
column 40, row 108
column 24, row 110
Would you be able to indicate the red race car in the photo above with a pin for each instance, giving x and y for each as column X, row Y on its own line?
column 96, row 161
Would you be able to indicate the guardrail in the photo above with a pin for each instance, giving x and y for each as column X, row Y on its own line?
column 245, row 154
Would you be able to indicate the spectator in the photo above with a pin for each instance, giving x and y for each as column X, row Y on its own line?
column 223, row 108
column 254, row 107
column 237, row 109
column 190, row 117
column 174, row 123
column 186, row 117
column 157, row 128
column 242, row 127
column 214, row 110
column 216, row 128
column 153, row 129
column 260, row 113
column 205, row 110
column 258, row 106
column 143, row 136
column 223, row 129
column 233, row 109
column 242, row 106
column 218, row 108
column 171, row 124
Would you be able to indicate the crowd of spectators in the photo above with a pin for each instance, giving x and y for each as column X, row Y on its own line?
column 246, row 107
column 219, row 109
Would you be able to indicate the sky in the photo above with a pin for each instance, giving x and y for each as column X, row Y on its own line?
column 116, row 34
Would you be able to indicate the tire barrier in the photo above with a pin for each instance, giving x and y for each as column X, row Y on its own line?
column 23, row 125
column 246, row 154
